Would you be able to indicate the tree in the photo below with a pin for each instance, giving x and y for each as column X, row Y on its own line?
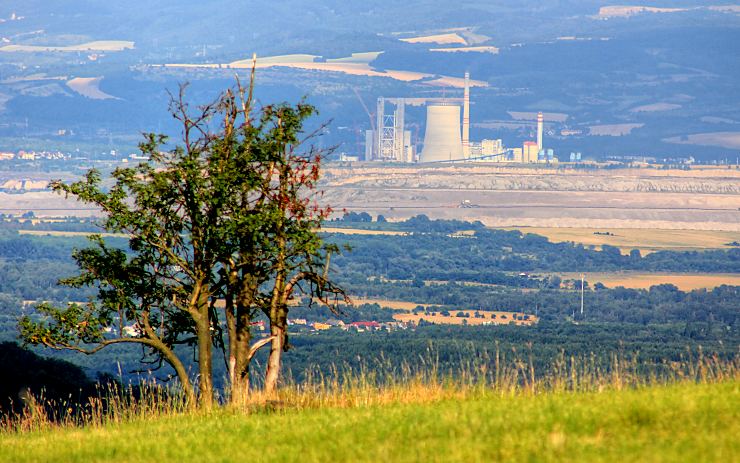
column 297, row 259
column 231, row 215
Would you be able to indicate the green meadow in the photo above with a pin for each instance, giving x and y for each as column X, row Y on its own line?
column 677, row 422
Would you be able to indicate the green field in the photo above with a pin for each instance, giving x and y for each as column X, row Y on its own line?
column 683, row 422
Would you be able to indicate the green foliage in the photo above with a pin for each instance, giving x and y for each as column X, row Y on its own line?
column 228, row 215
column 432, row 252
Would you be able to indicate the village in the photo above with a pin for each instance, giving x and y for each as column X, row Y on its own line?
column 410, row 321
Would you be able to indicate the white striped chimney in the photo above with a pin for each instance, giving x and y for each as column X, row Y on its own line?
column 540, row 126
column 466, row 118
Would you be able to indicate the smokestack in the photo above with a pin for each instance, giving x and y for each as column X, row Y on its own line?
column 466, row 118
column 540, row 126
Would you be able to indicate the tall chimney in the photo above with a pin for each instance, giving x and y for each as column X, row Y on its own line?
column 540, row 126
column 466, row 118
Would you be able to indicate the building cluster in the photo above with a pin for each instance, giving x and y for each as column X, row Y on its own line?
column 333, row 323
column 32, row 155
column 444, row 141
column 22, row 185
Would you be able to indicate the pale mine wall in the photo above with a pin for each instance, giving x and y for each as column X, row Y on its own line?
column 699, row 199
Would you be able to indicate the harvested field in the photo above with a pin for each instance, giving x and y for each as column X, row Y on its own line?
column 89, row 87
column 101, row 45
column 390, row 304
column 530, row 116
column 613, row 130
column 646, row 240
column 626, row 11
column 357, row 231
column 357, row 64
column 649, row 108
column 485, row 318
column 68, row 233
column 729, row 140
column 634, row 280
column 442, row 39
column 478, row 49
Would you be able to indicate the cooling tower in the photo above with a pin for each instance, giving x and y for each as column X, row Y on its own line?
column 442, row 140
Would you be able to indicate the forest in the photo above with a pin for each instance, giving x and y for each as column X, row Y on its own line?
column 478, row 271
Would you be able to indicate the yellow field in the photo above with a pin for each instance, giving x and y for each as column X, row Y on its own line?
column 442, row 39
column 646, row 240
column 684, row 281
column 488, row 318
column 432, row 316
column 357, row 231
column 399, row 305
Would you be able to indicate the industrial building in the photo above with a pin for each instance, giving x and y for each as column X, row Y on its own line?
column 444, row 141
column 391, row 142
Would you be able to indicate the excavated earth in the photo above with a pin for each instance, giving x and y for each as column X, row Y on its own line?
column 697, row 199
column 703, row 198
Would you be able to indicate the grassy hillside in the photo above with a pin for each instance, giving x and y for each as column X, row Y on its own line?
column 684, row 422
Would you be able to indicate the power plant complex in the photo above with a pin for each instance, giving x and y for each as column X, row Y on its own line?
column 444, row 141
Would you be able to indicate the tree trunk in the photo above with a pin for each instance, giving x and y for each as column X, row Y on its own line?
column 273, row 362
column 182, row 373
column 205, row 384
column 205, row 356
column 231, row 333
column 239, row 361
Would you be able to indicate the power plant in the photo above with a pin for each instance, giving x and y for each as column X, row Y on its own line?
column 444, row 141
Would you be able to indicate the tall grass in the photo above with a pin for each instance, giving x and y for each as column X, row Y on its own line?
column 381, row 382
column 112, row 403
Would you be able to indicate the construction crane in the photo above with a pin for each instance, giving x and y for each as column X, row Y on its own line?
column 364, row 106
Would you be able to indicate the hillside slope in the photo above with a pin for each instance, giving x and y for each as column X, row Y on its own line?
column 675, row 423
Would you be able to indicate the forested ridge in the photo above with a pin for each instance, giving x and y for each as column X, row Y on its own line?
column 660, row 323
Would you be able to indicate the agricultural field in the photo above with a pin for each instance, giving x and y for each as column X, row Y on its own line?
column 67, row 233
column 729, row 140
column 468, row 317
column 89, row 87
column 358, row 231
column 100, row 45
column 357, row 64
column 454, row 317
column 646, row 240
column 680, row 422
column 638, row 280
column 390, row 304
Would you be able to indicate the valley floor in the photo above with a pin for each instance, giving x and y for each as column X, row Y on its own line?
column 683, row 422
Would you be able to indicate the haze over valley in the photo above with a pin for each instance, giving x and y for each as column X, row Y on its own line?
column 619, row 80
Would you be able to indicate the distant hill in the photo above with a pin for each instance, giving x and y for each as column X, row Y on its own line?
column 573, row 57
